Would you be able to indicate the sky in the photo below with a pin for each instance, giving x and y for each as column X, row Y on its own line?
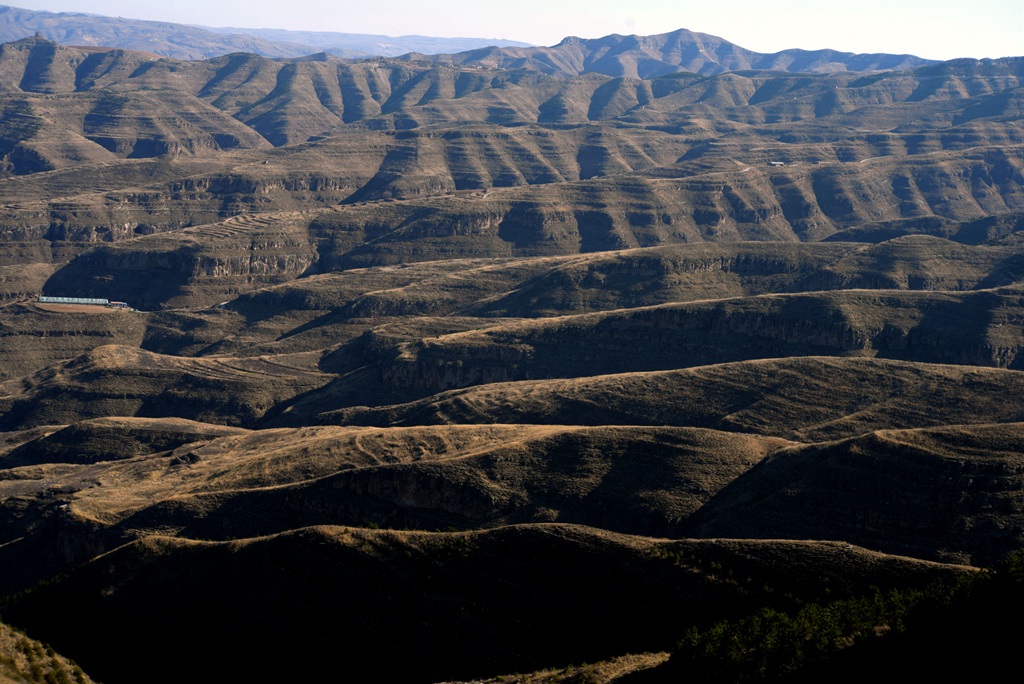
column 934, row 29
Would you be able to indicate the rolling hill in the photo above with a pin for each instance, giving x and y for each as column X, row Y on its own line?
column 461, row 365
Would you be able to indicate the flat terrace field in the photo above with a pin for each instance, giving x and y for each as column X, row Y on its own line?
column 75, row 308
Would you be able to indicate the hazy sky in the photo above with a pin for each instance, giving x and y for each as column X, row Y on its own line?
column 936, row 29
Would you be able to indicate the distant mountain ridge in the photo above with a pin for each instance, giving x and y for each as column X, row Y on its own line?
column 336, row 43
column 183, row 41
column 667, row 53
column 614, row 55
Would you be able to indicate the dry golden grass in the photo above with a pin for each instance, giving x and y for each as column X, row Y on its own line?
column 114, row 380
column 604, row 672
column 26, row 661
column 626, row 478
column 807, row 399
column 268, row 459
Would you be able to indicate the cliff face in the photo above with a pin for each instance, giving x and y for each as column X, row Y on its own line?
column 661, row 174
column 432, row 130
column 201, row 266
column 799, row 203
column 127, row 214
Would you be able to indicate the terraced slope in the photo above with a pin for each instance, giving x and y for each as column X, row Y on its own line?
column 806, row 399
column 637, row 480
column 558, row 219
column 104, row 147
column 980, row 328
column 121, row 381
column 288, row 101
column 655, row 481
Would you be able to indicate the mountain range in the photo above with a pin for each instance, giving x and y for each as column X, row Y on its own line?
column 506, row 361
column 614, row 55
column 185, row 41
column 669, row 53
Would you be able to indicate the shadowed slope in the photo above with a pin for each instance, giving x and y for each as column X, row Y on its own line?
column 953, row 493
column 977, row 328
column 120, row 381
column 728, row 205
column 809, row 399
column 642, row 277
column 108, row 439
column 628, row 479
column 211, row 263
column 919, row 262
column 353, row 299
column 676, row 159
column 674, row 306
column 198, row 266
column 72, row 494
column 207, row 481
column 505, row 600
column 35, row 336
column 239, row 101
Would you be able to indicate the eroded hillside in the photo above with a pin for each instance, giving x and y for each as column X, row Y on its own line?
column 468, row 365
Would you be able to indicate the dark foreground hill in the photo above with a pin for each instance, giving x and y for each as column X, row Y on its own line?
column 439, row 606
